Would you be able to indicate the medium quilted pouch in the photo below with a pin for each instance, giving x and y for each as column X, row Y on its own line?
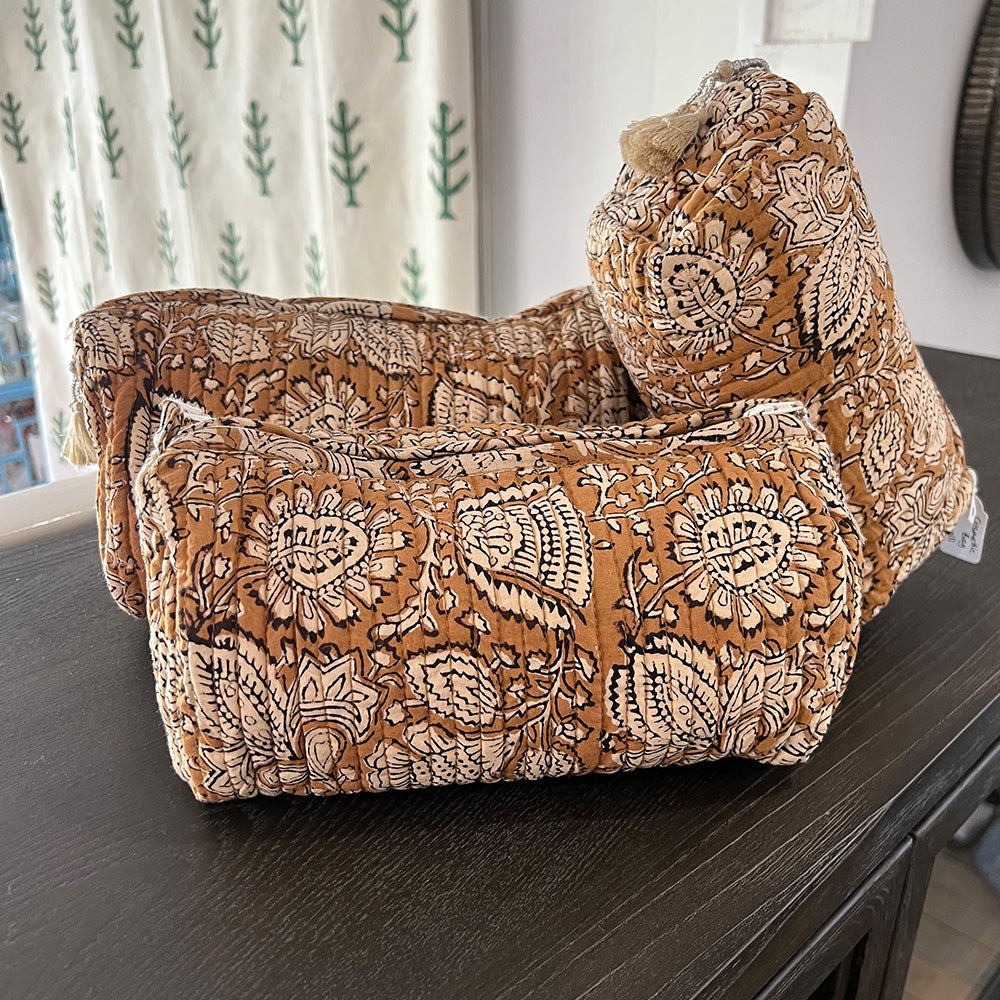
column 405, row 608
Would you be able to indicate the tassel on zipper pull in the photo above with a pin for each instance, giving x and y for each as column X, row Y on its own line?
column 78, row 448
column 654, row 145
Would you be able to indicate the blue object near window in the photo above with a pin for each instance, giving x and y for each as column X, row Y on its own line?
column 22, row 448
column 8, row 269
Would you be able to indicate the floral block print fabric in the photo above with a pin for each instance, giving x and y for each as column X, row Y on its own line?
column 316, row 365
column 402, row 608
column 756, row 270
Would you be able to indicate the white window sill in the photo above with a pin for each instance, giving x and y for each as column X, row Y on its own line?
column 45, row 510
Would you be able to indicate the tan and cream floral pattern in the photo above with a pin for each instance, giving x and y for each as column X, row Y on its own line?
column 715, row 283
column 381, row 546
column 753, row 557
column 317, row 559
column 756, row 270
column 402, row 608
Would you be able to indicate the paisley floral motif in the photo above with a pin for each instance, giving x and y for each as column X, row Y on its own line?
column 322, row 331
column 703, row 291
column 929, row 422
column 455, row 684
column 320, row 558
column 334, row 695
column 474, row 398
column 666, row 695
column 754, row 555
column 880, row 460
column 763, row 684
column 810, row 200
column 389, row 347
column 839, row 300
column 917, row 503
column 516, row 340
column 325, row 403
column 527, row 549
column 235, row 337
column 106, row 338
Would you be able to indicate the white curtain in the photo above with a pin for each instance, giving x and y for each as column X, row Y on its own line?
column 286, row 147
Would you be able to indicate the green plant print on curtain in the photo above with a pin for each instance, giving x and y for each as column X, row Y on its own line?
column 60, row 428
column 179, row 156
column 13, row 126
column 292, row 28
column 110, row 150
column 315, row 275
column 68, row 130
column 127, row 20
column 399, row 25
column 412, row 271
column 59, row 221
column 34, row 31
column 274, row 146
column 257, row 144
column 67, row 21
column 165, row 246
column 47, row 292
column 101, row 237
column 446, row 158
column 208, row 32
column 232, row 258
column 345, row 153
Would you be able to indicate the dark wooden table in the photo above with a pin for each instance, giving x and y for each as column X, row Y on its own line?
column 673, row 883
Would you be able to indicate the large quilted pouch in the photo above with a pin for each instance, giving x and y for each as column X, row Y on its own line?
column 322, row 364
column 754, row 269
column 397, row 609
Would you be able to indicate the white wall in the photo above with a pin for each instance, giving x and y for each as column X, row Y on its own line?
column 902, row 107
column 558, row 82
column 562, row 78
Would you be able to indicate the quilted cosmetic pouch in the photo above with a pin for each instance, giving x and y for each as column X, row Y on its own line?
column 404, row 608
column 315, row 365
column 752, row 267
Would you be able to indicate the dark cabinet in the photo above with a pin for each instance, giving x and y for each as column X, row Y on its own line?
column 927, row 940
column 848, row 957
column 925, row 925
column 722, row 881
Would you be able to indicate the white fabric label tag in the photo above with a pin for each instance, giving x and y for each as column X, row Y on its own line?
column 967, row 537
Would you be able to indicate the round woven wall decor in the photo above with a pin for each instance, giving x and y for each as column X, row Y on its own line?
column 976, row 168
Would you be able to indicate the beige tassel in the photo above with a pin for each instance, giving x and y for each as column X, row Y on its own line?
column 654, row 145
column 78, row 449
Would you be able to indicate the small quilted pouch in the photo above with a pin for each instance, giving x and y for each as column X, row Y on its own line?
column 741, row 260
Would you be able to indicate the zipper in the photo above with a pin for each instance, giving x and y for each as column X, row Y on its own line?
column 191, row 412
column 771, row 407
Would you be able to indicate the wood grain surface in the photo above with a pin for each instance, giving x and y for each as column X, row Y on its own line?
column 673, row 883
